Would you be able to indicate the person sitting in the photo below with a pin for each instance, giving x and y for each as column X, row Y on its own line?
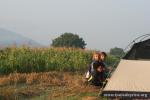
column 106, row 68
column 96, row 57
column 96, row 77
column 102, row 59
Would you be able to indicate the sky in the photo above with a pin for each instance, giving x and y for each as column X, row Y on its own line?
column 103, row 24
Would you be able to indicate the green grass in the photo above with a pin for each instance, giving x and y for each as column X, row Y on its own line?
column 27, row 60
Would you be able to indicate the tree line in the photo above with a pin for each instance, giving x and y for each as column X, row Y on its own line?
column 75, row 41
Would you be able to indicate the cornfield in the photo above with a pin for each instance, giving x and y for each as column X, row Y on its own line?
column 27, row 60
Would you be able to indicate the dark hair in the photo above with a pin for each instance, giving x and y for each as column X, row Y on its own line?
column 104, row 53
column 96, row 64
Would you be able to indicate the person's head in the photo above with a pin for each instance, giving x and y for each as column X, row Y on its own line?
column 96, row 56
column 97, row 66
column 103, row 56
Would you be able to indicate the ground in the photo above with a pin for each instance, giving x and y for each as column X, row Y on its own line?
column 47, row 86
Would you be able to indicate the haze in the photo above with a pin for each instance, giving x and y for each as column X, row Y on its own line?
column 102, row 23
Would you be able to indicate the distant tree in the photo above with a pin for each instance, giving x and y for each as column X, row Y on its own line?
column 119, row 52
column 69, row 40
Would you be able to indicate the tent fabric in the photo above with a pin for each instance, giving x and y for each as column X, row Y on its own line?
column 140, row 50
column 130, row 76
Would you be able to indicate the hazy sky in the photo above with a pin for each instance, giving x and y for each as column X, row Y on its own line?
column 102, row 23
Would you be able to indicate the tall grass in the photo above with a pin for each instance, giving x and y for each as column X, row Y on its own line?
column 26, row 60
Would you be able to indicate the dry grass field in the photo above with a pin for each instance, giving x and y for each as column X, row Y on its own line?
column 47, row 86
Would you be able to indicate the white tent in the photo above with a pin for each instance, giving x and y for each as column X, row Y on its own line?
column 130, row 79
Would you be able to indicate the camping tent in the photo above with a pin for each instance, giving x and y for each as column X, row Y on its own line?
column 131, row 77
column 140, row 50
